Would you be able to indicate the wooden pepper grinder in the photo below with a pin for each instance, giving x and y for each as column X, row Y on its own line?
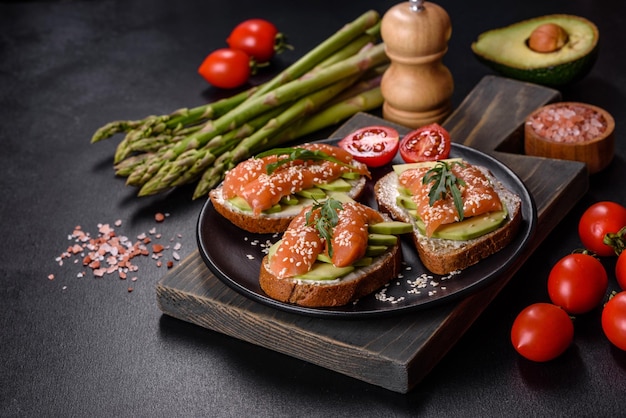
column 417, row 87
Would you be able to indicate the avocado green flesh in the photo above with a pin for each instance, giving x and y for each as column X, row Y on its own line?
column 391, row 228
column 325, row 271
column 312, row 193
column 464, row 230
column 469, row 228
column 505, row 50
column 339, row 185
column 382, row 239
column 401, row 168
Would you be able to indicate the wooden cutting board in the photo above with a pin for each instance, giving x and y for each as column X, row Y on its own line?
column 393, row 352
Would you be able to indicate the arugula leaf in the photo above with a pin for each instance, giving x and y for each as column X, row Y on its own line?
column 445, row 182
column 327, row 220
column 294, row 154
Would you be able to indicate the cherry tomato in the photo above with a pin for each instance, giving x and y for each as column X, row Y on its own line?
column 428, row 143
column 372, row 145
column 620, row 270
column 614, row 320
column 542, row 332
column 226, row 68
column 577, row 283
column 258, row 38
column 598, row 220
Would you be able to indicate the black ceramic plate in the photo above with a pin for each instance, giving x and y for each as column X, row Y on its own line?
column 234, row 256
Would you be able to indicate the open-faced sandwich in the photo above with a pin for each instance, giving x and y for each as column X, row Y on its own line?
column 332, row 254
column 264, row 193
column 460, row 212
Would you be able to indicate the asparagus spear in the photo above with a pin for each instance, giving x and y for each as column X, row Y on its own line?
column 175, row 149
column 368, row 58
column 340, row 45
column 322, row 51
column 183, row 116
column 363, row 101
column 170, row 173
column 185, row 171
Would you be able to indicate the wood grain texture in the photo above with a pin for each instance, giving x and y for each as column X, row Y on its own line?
column 393, row 352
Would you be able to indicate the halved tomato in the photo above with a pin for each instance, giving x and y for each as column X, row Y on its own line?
column 372, row 145
column 428, row 143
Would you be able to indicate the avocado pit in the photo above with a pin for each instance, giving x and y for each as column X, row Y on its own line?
column 548, row 37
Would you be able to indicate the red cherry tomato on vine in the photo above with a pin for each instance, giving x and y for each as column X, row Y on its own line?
column 372, row 145
column 542, row 332
column 614, row 320
column 258, row 38
column 226, row 68
column 620, row 270
column 598, row 220
column 428, row 143
column 578, row 283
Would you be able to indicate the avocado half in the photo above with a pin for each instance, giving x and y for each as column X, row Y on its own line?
column 506, row 51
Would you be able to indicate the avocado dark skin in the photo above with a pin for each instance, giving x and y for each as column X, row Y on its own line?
column 506, row 50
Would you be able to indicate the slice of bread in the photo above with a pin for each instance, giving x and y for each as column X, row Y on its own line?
column 268, row 223
column 338, row 292
column 442, row 256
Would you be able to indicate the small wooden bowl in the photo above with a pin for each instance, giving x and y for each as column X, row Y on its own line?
column 593, row 144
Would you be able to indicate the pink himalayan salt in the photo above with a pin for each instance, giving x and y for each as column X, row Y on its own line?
column 568, row 123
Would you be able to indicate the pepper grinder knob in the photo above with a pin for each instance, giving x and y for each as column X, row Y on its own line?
column 416, row 87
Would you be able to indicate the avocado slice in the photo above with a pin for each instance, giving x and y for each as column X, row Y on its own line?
column 338, row 185
column 391, row 228
column 401, row 168
column 290, row 200
column 240, row 203
column 382, row 239
column 361, row 262
column 405, row 201
column 375, row 250
column 325, row 271
column 469, row 228
column 506, row 50
column 312, row 193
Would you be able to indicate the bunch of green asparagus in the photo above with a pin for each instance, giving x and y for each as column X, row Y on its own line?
column 333, row 81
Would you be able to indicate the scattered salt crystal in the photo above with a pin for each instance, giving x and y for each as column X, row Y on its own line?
column 114, row 251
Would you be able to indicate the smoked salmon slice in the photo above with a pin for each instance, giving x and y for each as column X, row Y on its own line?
column 261, row 190
column 300, row 246
column 302, row 242
column 350, row 236
column 245, row 172
column 478, row 194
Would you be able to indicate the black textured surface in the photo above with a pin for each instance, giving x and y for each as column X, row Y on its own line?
column 87, row 347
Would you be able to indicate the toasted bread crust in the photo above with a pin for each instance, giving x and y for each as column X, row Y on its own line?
column 315, row 294
column 263, row 224
column 442, row 256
